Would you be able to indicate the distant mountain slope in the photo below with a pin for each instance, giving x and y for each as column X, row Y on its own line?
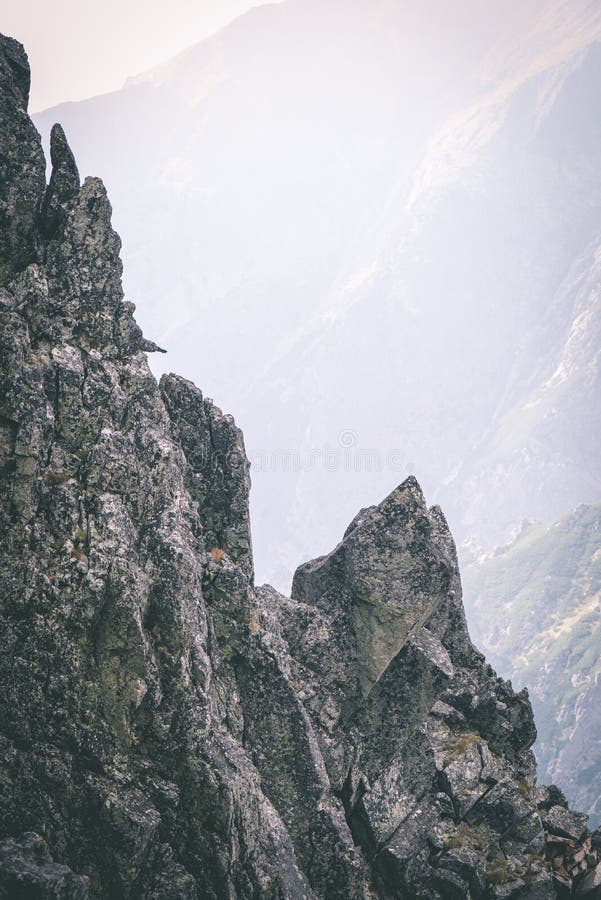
column 535, row 608
column 382, row 220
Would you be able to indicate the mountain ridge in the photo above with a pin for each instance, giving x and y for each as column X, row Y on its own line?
column 544, row 586
column 166, row 729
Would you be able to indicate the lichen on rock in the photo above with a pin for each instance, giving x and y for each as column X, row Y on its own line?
column 167, row 729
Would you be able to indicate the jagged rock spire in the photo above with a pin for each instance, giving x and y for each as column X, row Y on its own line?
column 64, row 184
column 14, row 71
column 172, row 731
column 61, row 155
column 22, row 165
column 386, row 588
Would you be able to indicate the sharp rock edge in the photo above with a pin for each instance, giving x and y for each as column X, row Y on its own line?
column 167, row 730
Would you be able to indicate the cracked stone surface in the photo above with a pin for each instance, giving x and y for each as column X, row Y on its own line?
column 169, row 730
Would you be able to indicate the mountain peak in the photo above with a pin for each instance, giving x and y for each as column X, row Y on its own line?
column 171, row 730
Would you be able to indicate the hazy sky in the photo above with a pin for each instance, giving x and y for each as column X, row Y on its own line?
column 79, row 48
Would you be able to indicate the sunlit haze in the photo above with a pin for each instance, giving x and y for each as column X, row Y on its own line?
column 79, row 48
column 347, row 222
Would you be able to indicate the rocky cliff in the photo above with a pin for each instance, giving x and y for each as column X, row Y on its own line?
column 167, row 730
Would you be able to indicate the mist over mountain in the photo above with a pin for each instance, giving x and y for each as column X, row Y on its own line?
column 535, row 605
column 382, row 220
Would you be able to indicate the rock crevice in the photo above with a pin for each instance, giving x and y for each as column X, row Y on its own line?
column 167, row 729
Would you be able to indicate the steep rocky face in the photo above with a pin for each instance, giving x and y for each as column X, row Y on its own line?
column 217, row 474
column 22, row 178
column 166, row 729
column 110, row 745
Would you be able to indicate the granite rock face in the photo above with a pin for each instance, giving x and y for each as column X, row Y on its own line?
column 22, row 167
column 167, row 730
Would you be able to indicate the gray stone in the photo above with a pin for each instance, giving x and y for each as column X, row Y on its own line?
column 63, row 187
column 171, row 730
column 22, row 165
column 564, row 822
column 28, row 871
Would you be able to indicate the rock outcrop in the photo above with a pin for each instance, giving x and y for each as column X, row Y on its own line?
column 167, row 730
